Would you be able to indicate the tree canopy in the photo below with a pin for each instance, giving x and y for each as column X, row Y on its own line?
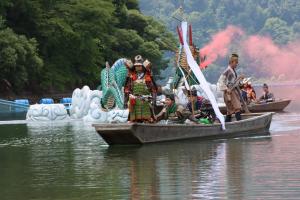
column 278, row 19
column 62, row 44
column 56, row 45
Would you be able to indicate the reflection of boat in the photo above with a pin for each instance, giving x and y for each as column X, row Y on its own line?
column 136, row 133
column 278, row 105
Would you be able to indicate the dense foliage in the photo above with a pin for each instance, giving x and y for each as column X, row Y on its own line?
column 279, row 19
column 57, row 45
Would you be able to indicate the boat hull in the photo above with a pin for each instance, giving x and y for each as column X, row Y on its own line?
column 136, row 133
column 276, row 106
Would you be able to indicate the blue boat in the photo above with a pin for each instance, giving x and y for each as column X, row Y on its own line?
column 13, row 110
column 46, row 101
column 67, row 101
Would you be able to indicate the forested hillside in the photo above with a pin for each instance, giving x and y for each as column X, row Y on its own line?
column 58, row 45
column 48, row 46
column 278, row 20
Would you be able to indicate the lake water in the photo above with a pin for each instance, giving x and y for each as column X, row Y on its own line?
column 68, row 160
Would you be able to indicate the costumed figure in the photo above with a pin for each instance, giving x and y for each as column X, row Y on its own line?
column 248, row 92
column 251, row 94
column 140, row 91
column 229, row 83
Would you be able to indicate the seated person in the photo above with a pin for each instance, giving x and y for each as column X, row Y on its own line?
column 267, row 96
column 170, row 111
column 200, row 108
column 195, row 102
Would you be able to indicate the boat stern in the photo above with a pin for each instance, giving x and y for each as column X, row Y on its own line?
column 121, row 134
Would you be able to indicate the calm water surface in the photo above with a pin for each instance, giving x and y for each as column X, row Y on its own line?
column 68, row 160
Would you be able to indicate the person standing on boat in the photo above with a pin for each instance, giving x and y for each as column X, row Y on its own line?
column 140, row 91
column 171, row 110
column 227, row 83
column 267, row 96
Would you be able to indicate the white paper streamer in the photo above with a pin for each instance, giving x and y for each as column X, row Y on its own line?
column 185, row 81
column 203, row 83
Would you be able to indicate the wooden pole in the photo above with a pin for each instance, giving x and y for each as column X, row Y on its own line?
column 192, row 102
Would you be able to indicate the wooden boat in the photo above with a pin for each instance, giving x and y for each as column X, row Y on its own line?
column 252, row 124
column 275, row 106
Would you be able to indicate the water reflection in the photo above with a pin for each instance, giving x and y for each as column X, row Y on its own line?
column 172, row 170
column 68, row 160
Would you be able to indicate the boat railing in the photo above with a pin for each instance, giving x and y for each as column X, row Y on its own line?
column 19, row 105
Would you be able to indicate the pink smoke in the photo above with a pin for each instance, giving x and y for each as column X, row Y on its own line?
column 265, row 56
column 219, row 45
column 261, row 53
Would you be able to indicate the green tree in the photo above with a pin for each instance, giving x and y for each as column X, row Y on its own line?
column 20, row 63
column 278, row 30
column 76, row 37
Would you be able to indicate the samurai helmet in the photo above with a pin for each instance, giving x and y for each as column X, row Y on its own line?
column 138, row 60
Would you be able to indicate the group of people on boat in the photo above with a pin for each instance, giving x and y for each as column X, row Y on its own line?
column 238, row 91
column 141, row 91
column 140, row 98
column 249, row 94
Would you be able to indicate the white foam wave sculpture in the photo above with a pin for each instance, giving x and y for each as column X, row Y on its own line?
column 80, row 102
column 46, row 112
column 86, row 105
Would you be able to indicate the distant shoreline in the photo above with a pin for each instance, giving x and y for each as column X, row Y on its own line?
column 35, row 98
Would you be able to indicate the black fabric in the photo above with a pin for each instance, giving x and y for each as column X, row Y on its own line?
column 238, row 116
column 228, row 118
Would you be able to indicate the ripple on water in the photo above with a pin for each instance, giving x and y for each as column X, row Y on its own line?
column 73, row 162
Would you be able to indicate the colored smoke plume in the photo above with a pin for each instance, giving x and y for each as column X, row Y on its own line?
column 260, row 53
column 218, row 47
column 267, row 57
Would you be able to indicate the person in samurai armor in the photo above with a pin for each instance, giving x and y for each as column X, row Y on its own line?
column 140, row 91
column 228, row 83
